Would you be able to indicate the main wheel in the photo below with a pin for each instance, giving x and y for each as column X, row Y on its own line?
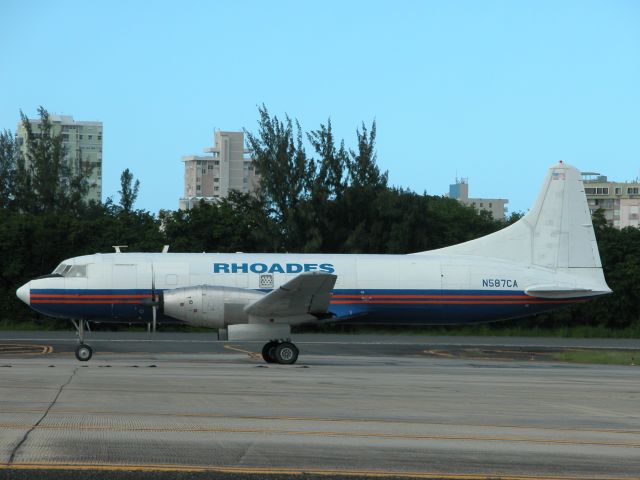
column 286, row 353
column 83, row 352
column 269, row 352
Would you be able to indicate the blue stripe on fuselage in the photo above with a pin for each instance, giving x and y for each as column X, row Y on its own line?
column 412, row 306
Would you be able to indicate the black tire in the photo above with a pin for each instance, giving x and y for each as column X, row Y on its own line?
column 84, row 352
column 286, row 353
column 268, row 352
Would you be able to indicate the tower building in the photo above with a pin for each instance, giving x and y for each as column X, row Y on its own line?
column 82, row 142
column 210, row 178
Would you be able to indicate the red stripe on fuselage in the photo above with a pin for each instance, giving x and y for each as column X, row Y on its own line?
column 81, row 301
column 82, row 295
column 408, row 297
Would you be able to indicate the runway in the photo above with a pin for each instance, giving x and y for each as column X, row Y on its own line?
column 141, row 343
column 370, row 409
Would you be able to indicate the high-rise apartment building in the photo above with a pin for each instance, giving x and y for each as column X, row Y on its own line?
column 460, row 192
column 619, row 201
column 82, row 142
column 210, row 178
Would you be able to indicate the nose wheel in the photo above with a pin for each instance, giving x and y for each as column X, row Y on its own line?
column 284, row 353
column 83, row 351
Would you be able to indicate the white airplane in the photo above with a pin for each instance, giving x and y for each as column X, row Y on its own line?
column 547, row 259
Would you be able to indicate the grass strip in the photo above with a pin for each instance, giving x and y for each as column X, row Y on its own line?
column 599, row 356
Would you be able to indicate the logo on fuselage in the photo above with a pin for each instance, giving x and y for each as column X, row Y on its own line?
column 272, row 267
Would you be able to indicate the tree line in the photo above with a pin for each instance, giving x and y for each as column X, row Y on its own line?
column 316, row 195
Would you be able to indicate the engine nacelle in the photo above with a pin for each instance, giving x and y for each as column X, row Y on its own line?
column 209, row 306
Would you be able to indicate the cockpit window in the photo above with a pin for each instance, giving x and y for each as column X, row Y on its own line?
column 60, row 269
column 71, row 271
column 76, row 271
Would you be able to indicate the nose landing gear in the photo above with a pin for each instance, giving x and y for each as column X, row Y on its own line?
column 83, row 352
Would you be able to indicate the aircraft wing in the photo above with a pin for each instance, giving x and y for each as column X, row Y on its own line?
column 308, row 293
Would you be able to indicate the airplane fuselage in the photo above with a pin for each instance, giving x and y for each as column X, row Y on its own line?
column 391, row 289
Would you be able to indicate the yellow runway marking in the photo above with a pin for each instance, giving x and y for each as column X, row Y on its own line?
column 478, row 353
column 24, row 349
column 321, row 433
column 253, row 355
column 321, row 420
column 291, row 471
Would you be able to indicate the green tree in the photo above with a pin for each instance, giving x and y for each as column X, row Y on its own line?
column 129, row 190
column 363, row 169
column 45, row 182
column 327, row 173
column 8, row 164
column 238, row 223
column 281, row 161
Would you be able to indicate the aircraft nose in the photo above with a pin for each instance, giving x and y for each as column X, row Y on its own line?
column 24, row 293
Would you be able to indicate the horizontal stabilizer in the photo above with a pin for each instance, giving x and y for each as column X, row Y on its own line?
column 308, row 293
column 556, row 291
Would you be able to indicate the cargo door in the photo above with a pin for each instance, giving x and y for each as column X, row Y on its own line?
column 124, row 304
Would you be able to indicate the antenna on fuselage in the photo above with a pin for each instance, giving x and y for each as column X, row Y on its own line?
column 118, row 247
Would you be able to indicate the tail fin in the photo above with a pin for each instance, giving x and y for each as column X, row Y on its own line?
column 556, row 233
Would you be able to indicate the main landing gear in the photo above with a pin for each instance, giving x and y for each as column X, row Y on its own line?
column 284, row 353
column 83, row 351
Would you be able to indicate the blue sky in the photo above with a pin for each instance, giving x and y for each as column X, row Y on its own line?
column 495, row 91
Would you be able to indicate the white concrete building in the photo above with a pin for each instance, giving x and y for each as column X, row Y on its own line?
column 211, row 177
column 82, row 142
column 619, row 201
column 460, row 191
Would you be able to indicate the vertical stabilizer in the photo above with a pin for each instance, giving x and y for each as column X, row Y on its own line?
column 556, row 233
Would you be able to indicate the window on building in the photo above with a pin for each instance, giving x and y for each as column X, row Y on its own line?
column 216, row 162
column 632, row 190
column 204, row 170
column 81, row 137
column 198, row 188
column 90, row 137
column 597, row 191
column 618, row 191
column 490, row 205
column 209, row 167
column 216, row 188
column 481, row 205
column 216, row 180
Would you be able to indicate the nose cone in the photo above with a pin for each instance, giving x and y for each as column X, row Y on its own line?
column 24, row 293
